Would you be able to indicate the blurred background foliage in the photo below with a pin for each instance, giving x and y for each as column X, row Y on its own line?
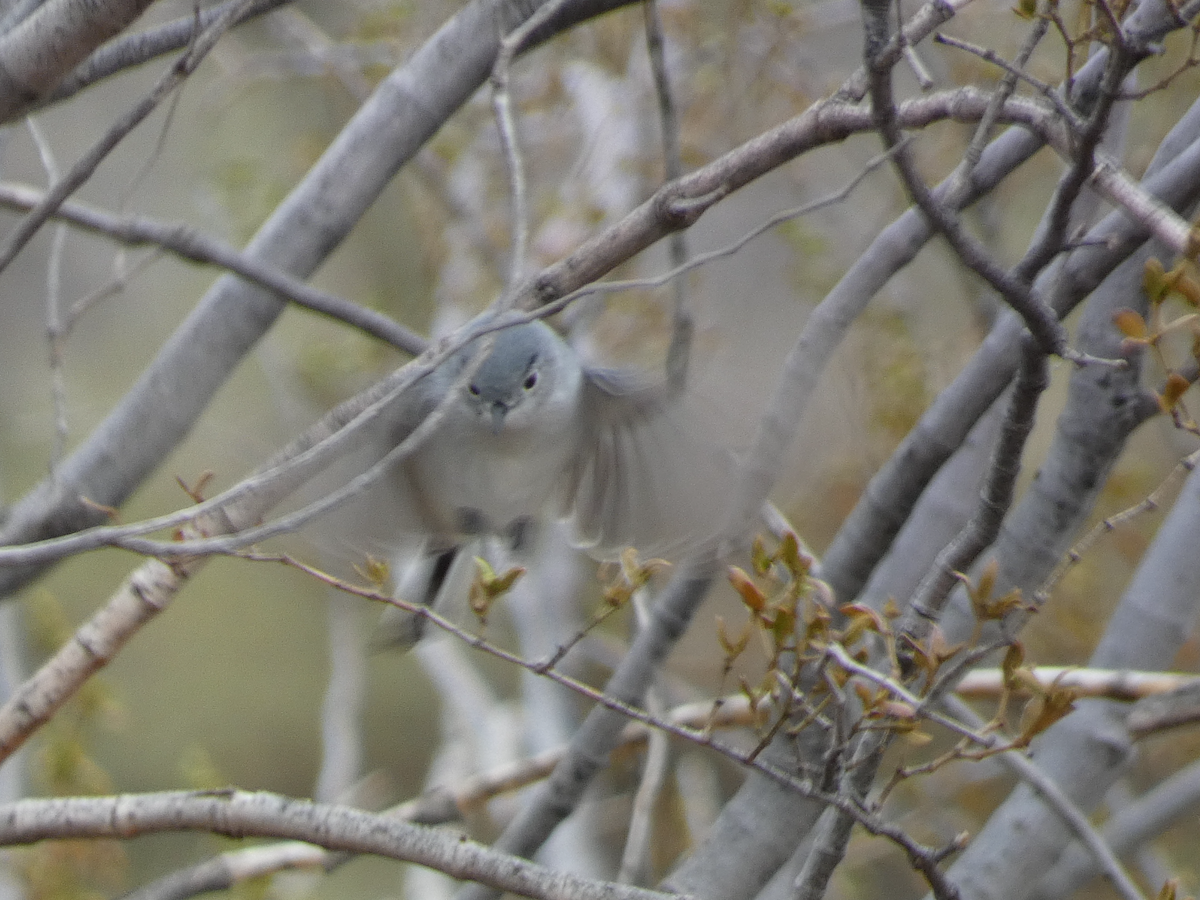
column 226, row 688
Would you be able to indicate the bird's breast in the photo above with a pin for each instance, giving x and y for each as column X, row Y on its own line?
column 491, row 477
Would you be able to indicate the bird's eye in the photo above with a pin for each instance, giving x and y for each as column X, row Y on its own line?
column 474, row 389
column 530, row 380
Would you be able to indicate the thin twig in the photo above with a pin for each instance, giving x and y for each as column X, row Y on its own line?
column 83, row 169
column 1038, row 317
column 136, row 49
column 1008, row 84
column 1057, row 800
column 682, row 326
column 122, row 275
column 56, row 326
column 1052, row 231
column 512, row 44
column 1111, row 523
column 1016, row 70
column 920, row 706
column 188, row 243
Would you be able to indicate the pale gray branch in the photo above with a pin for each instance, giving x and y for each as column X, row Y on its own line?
column 1128, row 828
column 94, row 155
column 37, row 53
column 191, row 244
column 242, row 814
column 140, row 47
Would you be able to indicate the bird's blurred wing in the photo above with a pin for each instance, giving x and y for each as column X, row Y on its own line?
column 387, row 514
column 645, row 477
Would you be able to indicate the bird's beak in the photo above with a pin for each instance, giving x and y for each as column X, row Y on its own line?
column 499, row 410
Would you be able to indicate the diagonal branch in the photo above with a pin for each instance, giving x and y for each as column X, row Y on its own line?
column 130, row 50
column 1013, row 287
column 191, row 244
column 88, row 164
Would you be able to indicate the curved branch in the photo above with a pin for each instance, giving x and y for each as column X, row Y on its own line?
column 191, row 244
column 243, row 814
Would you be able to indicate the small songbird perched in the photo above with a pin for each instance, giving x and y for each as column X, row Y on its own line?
column 523, row 427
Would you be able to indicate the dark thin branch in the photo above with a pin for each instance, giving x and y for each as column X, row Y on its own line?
column 995, row 500
column 193, row 245
column 1008, row 84
column 1015, row 70
column 1051, row 236
column 1038, row 317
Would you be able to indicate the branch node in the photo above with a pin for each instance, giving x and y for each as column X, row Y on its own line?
column 677, row 211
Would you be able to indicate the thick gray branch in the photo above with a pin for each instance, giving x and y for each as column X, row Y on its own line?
column 40, row 51
column 240, row 814
column 1088, row 750
column 139, row 48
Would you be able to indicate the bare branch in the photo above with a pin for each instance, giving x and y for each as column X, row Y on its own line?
column 1061, row 803
column 1038, row 317
column 191, row 244
column 509, row 144
column 636, row 857
column 926, row 604
column 1016, row 71
column 139, row 48
column 1115, row 685
column 36, row 53
column 57, row 325
column 1161, row 221
column 140, row 598
column 1052, row 230
column 242, row 814
column 83, row 169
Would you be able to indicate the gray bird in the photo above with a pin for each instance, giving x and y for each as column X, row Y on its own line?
column 523, row 429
